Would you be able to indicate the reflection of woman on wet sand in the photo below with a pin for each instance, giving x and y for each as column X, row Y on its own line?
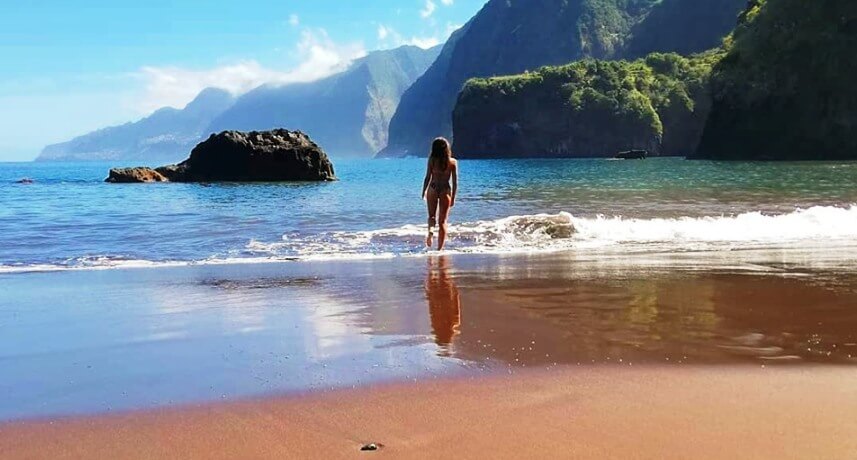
column 444, row 302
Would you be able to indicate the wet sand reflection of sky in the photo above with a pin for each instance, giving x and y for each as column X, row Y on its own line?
column 145, row 338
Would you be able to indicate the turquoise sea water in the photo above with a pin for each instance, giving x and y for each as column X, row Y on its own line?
column 69, row 218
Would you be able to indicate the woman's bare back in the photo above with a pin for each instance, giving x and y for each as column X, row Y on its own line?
column 440, row 177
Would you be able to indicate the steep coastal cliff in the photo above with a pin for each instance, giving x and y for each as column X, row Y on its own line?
column 785, row 90
column 587, row 108
column 512, row 36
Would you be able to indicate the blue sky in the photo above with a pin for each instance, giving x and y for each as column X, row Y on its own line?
column 70, row 66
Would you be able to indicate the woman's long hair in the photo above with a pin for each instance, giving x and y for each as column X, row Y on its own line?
column 441, row 153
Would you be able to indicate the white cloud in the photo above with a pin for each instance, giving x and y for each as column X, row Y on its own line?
column 428, row 10
column 451, row 28
column 294, row 20
column 318, row 57
column 383, row 32
column 391, row 38
column 176, row 86
column 424, row 42
column 446, row 2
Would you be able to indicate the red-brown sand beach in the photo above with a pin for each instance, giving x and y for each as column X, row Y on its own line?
column 594, row 412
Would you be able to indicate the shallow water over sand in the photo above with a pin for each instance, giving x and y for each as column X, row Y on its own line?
column 69, row 218
column 153, row 337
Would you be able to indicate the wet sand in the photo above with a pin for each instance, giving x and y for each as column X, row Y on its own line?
column 596, row 412
column 746, row 355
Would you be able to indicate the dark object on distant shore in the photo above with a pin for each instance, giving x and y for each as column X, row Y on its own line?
column 633, row 155
column 26, row 181
column 232, row 156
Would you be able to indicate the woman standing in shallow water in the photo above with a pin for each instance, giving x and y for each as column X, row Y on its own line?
column 437, row 191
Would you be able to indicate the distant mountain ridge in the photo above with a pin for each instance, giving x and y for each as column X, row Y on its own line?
column 165, row 135
column 347, row 113
column 512, row 36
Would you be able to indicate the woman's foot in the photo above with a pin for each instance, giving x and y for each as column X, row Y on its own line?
column 429, row 240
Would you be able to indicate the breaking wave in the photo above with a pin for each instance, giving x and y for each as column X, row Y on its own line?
column 830, row 226
column 826, row 227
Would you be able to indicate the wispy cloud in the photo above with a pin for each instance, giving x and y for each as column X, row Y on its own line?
column 424, row 42
column 428, row 9
column 318, row 55
column 389, row 37
column 383, row 32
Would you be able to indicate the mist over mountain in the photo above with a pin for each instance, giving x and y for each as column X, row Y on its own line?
column 512, row 36
column 164, row 136
column 347, row 114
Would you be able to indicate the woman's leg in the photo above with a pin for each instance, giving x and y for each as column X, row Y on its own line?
column 444, row 200
column 431, row 200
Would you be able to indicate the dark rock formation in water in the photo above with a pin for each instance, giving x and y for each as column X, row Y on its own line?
column 136, row 175
column 233, row 156
column 785, row 90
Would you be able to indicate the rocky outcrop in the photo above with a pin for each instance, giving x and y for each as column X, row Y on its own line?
column 233, row 156
column 136, row 175
column 586, row 109
column 785, row 90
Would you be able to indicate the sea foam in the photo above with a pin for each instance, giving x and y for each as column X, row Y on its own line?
column 822, row 227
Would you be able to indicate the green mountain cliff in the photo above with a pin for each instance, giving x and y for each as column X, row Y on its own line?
column 588, row 108
column 785, row 90
column 512, row 36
